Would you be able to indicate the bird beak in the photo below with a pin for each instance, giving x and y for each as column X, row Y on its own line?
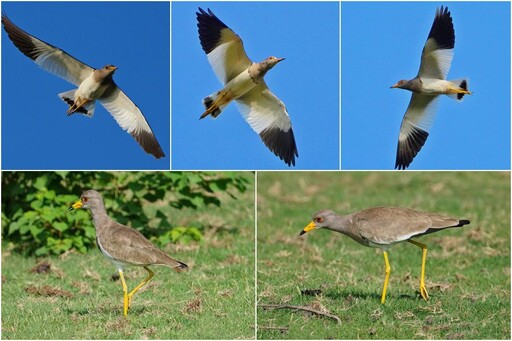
column 308, row 228
column 76, row 205
column 280, row 59
column 394, row 86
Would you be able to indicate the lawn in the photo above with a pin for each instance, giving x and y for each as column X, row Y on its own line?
column 467, row 271
column 78, row 298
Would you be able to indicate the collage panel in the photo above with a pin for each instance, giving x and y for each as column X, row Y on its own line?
column 46, row 124
column 70, row 240
column 323, row 285
column 300, row 93
column 463, row 49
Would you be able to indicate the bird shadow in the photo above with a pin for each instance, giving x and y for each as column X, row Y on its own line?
column 351, row 294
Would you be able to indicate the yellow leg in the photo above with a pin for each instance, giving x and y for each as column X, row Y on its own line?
column 144, row 282
column 423, row 288
column 386, row 280
column 125, row 291
column 76, row 105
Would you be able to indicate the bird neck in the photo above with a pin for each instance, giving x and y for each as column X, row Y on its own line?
column 340, row 224
column 257, row 71
column 99, row 216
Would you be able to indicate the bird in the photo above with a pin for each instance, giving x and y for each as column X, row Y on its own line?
column 243, row 83
column 383, row 227
column 122, row 245
column 426, row 87
column 93, row 85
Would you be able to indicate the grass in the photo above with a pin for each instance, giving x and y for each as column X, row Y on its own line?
column 78, row 299
column 467, row 271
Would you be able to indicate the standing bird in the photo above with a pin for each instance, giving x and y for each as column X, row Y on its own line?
column 243, row 82
column 93, row 84
column 383, row 227
column 430, row 82
column 122, row 245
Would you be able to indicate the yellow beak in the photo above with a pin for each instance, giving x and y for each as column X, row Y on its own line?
column 76, row 205
column 308, row 228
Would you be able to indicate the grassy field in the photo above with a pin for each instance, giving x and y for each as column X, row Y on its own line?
column 467, row 271
column 78, row 299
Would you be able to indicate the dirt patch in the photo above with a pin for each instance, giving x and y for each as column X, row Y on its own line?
column 48, row 291
column 43, row 267
column 193, row 306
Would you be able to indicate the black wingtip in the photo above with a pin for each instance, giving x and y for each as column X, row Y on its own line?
column 209, row 29
column 442, row 29
column 408, row 149
column 281, row 143
column 463, row 222
column 181, row 267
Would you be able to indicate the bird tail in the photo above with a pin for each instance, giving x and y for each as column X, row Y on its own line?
column 213, row 105
column 460, row 87
column 86, row 109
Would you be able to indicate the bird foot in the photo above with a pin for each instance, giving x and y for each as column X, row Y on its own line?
column 423, row 292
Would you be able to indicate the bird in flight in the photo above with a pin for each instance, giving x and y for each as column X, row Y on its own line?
column 426, row 87
column 243, row 83
column 93, row 84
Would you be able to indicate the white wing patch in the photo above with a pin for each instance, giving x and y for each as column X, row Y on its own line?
column 262, row 109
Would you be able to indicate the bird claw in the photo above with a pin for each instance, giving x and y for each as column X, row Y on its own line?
column 423, row 292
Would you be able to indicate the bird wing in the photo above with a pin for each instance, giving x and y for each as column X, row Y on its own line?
column 48, row 57
column 129, row 245
column 414, row 129
column 437, row 54
column 267, row 116
column 131, row 119
column 223, row 47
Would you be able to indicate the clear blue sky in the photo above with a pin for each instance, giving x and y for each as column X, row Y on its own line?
column 382, row 43
column 36, row 133
column 307, row 35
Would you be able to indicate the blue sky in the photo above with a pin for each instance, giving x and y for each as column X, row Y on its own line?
column 37, row 134
column 382, row 43
column 307, row 35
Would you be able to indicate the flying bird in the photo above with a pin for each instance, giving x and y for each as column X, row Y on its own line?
column 430, row 82
column 243, row 83
column 93, row 84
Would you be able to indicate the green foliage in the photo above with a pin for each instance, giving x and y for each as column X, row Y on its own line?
column 35, row 205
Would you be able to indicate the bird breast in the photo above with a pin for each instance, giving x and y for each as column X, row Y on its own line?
column 90, row 88
column 241, row 84
column 434, row 86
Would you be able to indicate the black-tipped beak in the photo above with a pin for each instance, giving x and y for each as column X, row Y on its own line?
column 302, row 232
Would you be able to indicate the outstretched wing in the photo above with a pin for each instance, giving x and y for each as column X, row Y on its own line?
column 48, row 57
column 223, row 47
column 131, row 119
column 268, row 117
column 437, row 54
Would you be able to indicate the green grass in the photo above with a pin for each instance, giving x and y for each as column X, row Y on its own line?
column 467, row 271
column 78, row 299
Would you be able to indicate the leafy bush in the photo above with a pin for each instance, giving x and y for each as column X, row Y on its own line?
column 36, row 220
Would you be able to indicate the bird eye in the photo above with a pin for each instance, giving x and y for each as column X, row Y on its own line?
column 84, row 199
column 319, row 219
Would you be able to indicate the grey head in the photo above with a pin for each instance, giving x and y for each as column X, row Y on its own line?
column 258, row 70
column 105, row 73
column 321, row 219
column 413, row 85
column 90, row 199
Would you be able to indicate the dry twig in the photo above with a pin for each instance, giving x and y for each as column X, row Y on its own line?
column 297, row 307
